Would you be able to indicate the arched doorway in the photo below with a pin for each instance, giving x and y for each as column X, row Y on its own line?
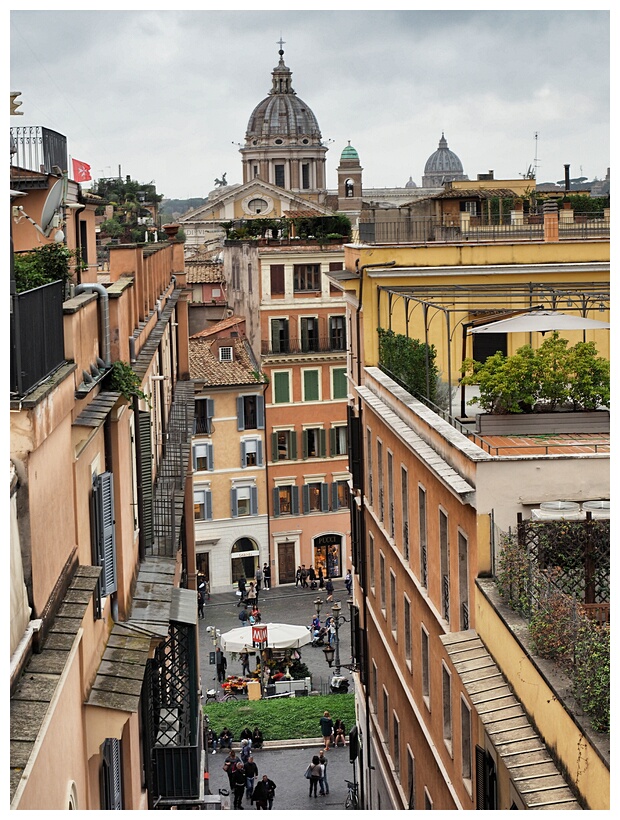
column 244, row 559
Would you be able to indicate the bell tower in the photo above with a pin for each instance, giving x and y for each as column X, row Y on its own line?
column 349, row 181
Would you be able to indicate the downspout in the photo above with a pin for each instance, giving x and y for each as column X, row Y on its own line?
column 105, row 315
column 364, row 789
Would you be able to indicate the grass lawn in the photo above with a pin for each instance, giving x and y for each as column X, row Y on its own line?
column 281, row 718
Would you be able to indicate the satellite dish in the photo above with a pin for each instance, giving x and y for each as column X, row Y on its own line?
column 50, row 208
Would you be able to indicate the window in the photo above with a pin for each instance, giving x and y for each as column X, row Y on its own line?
column 250, row 277
column 426, row 685
column 465, row 741
column 390, row 478
column 283, row 445
column 311, row 385
column 252, row 453
column 236, row 279
column 286, row 500
column 309, row 334
column 203, row 416
column 257, row 206
column 404, row 506
column 305, row 175
column 339, row 382
column 371, row 560
column 393, row 617
column 313, row 442
column 407, row 628
column 276, row 275
column 410, row 779
column 280, row 336
column 337, row 334
column 463, row 583
column 447, row 706
column 111, row 774
column 281, row 387
column 369, row 466
column 316, row 497
column 340, row 495
column 244, row 501
column 444, row 549
column 306, row 277
column 226, row 354
column 104, row 537
column 382, row 581
column 386, row 716
column 250, row 413
column 279, row 175
column 338, row 440
column 422, row 525
column 203, row 456
column 428, row 803
column 203, row 509
column 395, row 743
column 375, row 687
column 380, row 477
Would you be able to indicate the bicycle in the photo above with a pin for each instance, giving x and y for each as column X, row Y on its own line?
column 213, row 694
column 351, row 801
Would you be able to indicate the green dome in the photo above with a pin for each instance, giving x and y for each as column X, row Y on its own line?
column 349, row 153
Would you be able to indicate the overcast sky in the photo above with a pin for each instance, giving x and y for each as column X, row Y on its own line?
column 166, row 95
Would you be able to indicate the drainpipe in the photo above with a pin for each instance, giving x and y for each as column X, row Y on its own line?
column 105, row 315
column 364, row 788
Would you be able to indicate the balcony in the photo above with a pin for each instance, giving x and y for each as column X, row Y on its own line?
column 320, row 344
column 35, row 148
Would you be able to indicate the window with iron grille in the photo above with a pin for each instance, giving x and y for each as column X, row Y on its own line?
column 422, row 531
column 463, row 582
column 226, row 354
column 407, row 627
column 444, row 550
column 395, row 743
column 279, row 175
column 404, row 506
column 250, row 412
column 337, row 333
column 426, row 680
column 446, row 686
column 203, row 415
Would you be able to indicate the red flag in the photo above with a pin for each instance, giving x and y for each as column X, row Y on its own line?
column 81, row 171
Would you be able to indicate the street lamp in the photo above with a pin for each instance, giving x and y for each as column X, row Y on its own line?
column 333, row 655
column 318, row 603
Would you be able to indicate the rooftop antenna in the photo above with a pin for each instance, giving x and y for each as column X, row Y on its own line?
column 535, row 153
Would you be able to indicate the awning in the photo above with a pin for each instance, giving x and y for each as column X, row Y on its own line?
column 542, row 321
column 279, row 636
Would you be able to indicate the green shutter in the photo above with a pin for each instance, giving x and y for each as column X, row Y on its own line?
column 322, row 442
column 339, row 382
column 276, row 502
column 281, row 388
column 275, row 455
column 145, row 469
column 311, row 385
column 293, row 443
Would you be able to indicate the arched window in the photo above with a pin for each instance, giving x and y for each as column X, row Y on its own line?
column 245, row 557
column 348, row 187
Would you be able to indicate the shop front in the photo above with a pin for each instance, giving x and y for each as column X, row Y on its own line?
column 327, row 555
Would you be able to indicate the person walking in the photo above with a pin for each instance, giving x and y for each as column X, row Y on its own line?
column 304, row 576
column 220, row 664
column 323, row 784
column 238, row 785
column 266, row 576
column 244, row 657
column 241, row 589
column 230, row 766
column 298, row 577
column 321, row 578
column 251, row 596
column 201, row 603
column 264, row 793
column 251, row 773
column 315, row 771
column 258, row 577
column 327, row 729
column 329, row 588
column 348, row 581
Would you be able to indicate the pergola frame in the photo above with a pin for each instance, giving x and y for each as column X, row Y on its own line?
column 490, row 302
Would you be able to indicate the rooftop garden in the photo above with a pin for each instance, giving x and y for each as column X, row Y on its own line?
column 320, row 228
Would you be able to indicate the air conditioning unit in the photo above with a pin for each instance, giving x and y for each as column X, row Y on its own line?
column 555, row 510
column 599, row 509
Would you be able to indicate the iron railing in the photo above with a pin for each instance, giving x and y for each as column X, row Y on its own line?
column 39, row 149
column 319, row 344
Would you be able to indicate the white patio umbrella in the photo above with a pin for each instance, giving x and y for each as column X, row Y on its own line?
column 279, row 636
column 540, row 320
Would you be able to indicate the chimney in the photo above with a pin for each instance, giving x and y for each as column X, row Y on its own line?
column 550, row 221
column 567, row 178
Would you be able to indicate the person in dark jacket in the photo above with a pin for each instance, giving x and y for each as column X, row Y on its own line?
column 238, row 785
column 264, row 793
column 226, row 738
column 251, row 772
column 257, row 738
column 327, row 729
column 329, row 588
column 241, row 587
column 266, row 576
column 220, row 665
column 316, row 772
column 230, row 766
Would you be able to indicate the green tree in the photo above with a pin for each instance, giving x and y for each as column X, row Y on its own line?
column 45, row 264
column 407, row 359
column 589, row 387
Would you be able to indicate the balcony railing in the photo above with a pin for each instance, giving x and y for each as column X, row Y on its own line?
column 39, row 149
column 481, row 229
column 320, row 344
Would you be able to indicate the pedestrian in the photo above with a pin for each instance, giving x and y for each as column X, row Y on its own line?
column 327, row 729
column 207, row 589
column 257, row 738
column 220, row 665
column 264, row 793
column 251, row 596
column 255, row 614
column 201, row 603
column 314, row 774
column 323, row 784
column 298, row 577
column 211, row 741
column 329, row 588
column 330, row 628
column 230, row 766
column 244, row 657
column 226, row 738
column 348, row 581
column 243, row 615
column 241, row 583
column 258, row 577
column 238, row 785
column 246, row 734
column 246, row 750
column 304, row 576
column 251, row 772
column 339, row 733
column 266, row 576
column 311, row 575
column 321, row 578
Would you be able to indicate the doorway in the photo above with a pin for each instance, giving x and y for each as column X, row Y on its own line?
column 286, row 562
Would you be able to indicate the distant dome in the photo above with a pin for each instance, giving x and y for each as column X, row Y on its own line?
column 442, row 166
column 349, row 153
column 410, row 184
column 282, row 114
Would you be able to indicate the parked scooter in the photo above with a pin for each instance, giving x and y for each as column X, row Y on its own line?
column 339, row 685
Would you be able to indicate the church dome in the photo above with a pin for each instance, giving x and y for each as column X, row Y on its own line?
column 282, row 115
column 349, row 153
column 410, row 183
column 442, row 166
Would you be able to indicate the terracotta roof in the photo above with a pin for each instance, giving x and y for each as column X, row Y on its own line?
column 481, row 193
column 204, row 362
column 198, row 272
column 218, row 327
column 309, row 212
